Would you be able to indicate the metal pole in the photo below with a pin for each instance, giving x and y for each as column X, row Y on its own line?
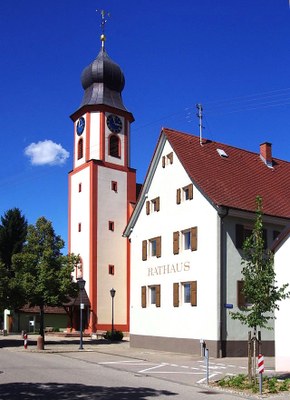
column 112, row 316
column 206, row 355
column 261, row 383
column 81, row 320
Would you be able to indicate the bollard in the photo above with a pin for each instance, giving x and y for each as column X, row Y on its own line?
column 40, row 343
column 206, row 356
column 25, row 337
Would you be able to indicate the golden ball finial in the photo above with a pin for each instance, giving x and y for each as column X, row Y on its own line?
column 103, row 38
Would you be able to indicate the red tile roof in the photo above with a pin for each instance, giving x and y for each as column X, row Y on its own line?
column 236, row 180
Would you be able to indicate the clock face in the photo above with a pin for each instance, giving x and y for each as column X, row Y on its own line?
column 81, row 125
column 114, row 123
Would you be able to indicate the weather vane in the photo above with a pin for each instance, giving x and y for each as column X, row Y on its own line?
column 104, row 15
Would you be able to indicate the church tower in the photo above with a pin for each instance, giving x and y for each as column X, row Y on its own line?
column 102, row 190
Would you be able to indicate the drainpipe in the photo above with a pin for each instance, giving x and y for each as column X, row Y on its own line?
column 222, row 213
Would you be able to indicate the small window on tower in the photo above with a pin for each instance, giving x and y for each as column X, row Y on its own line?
column 80, row 187
column 80, row 227
column 80, row 149
column 114, row 146
column 114, row 186
column 111, row 270
column 111, row 226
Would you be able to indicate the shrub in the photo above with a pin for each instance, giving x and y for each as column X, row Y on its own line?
column 114, row 335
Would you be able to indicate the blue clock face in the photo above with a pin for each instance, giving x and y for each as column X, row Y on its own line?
column 81, row 125
column 114, row 123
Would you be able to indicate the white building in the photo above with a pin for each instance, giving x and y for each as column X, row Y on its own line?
column 195, row 209
column 282, row 346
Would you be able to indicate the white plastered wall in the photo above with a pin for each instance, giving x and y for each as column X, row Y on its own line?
column 184, row 321
column 282, row 345
column 80, row 213
column 112, row 248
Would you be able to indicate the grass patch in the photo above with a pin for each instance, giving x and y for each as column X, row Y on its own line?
column 241, row 383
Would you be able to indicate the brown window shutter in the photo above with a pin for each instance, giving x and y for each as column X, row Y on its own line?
column 158, row 299
column 158, row 246
column 163, row 161
column 178, row 196
column 239, row 236
column 193, row 238
column 175, row 294
column 144, row 250
column 170, row 157
column 143, row 296
column 147, row 207
column 193, row 293
column 175, row 242
column 190, row 191
column 240, row 295
column 157, row 203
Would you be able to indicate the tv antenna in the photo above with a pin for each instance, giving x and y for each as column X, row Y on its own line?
column 199, row 115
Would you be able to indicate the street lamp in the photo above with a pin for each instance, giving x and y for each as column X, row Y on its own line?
column 113, row 292
column 81, row 283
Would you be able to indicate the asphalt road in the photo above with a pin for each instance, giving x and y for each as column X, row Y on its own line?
column 104, row 371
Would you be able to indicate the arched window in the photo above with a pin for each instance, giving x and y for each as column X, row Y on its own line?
column 80, row 149
column 114, row 146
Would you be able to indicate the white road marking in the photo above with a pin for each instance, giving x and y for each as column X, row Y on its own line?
column 204, row 379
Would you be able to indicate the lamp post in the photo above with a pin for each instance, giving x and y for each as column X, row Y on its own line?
column 81, row 283
column 113, row 292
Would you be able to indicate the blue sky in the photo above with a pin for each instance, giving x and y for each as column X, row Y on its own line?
column 232, row 56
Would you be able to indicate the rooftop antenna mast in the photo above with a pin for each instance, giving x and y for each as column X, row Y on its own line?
column 104, row 14
column 199, row 115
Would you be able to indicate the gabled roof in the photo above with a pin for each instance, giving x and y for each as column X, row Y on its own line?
column 227, row 176
column 233, row 181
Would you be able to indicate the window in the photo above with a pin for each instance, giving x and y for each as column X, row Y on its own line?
column 154, row 248
column 186, row 240
column 80, row 187
column 276, row 234
column 186, row 292
column 189, row 293
column 184, row 194
column 189, row 240
column 153, row 205
column 80, row 148
column 80, row 227
column 167, row 160
column 111, row 270
column 188, row 192
column 152, row 295
column 114, row 186
column 245, row 231
column 114, row 146
column 155, row 295
column 111, row 226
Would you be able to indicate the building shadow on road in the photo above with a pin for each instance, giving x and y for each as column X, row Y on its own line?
column 52, row 391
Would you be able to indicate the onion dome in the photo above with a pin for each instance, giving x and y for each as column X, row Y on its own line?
column 103, row 81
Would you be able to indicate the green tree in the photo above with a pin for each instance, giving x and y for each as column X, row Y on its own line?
column 42, row 272
column 4, row 287
column 260, row 288
column 13, row 231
